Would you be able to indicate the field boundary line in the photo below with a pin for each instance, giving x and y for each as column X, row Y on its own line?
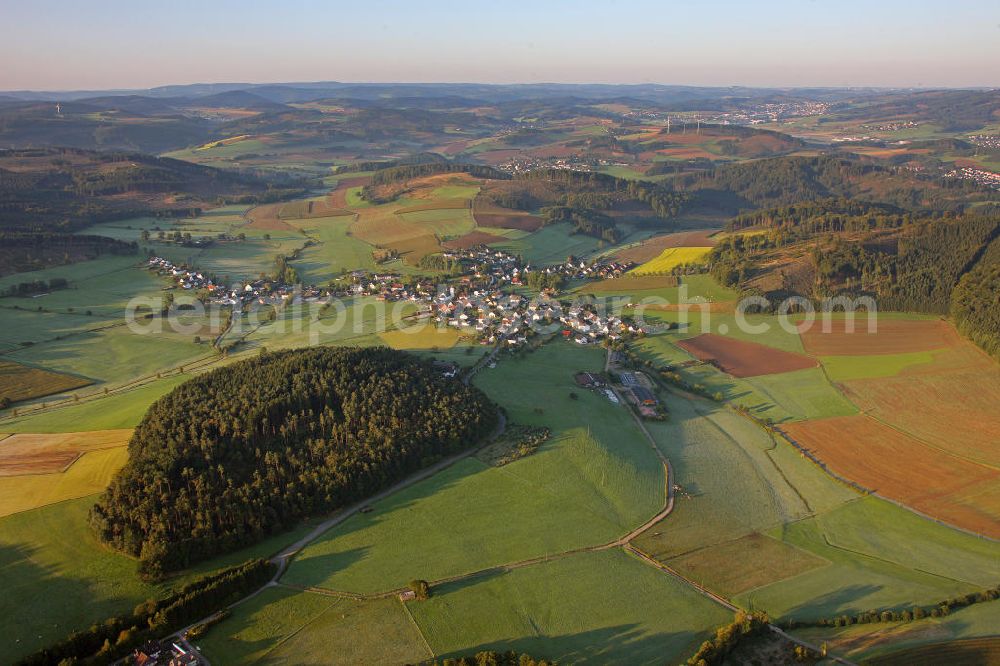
column 420, row 632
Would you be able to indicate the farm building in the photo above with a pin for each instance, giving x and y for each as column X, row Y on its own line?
column 644, row 396
column 628, row 379
column 588, row 380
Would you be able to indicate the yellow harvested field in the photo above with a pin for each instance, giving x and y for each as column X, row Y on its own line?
column 90, row 474
column 671, row 258
column 422, row 337
column 44, row 453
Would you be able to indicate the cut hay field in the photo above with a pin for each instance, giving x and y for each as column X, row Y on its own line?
column 744, row 563
column 89, row 473
column 592, row 482
column 733, row 481
column 590, row 608
column 282, row 626
column 935, row 482
column 42, row 453
column 746, row 499
column 655, row 290
column 113, row 355
column 472, row 239
column 740, row 358
column 789, row 396
column 847, row 368
column 25, row 382
column 502, row 218
column 441, row 221
column 671, row 258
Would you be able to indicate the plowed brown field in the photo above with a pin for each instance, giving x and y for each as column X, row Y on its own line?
column 899, row 467
column 892, row 336
column 744, row 359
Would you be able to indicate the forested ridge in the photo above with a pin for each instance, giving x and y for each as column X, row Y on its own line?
column 975, row 302
column 586, row 199
column 250, row 449
column 931, row 262
column 783, row 181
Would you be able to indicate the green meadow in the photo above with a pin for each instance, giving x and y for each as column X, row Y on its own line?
column 590, row 608
column 58, row 578
column 880, row 556
column 592, row 482
column 281, row 626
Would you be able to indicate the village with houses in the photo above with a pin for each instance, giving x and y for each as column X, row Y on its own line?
column 489, row 301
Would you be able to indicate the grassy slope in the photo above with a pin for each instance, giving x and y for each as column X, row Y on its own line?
column 285, row 626
column 121, row 410
column 336, row 250
column 880, row 556
column 591, row 483
column 599, row 608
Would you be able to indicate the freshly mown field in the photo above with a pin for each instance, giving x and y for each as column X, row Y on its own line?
column 25, row 382
column 592, row 482
column 282, row 626
column 755, row 519
column 671, row 258
column 940, row 484
column 590, row 608
column 744, row 563
column 473, row 239
column 550, row 244
column 46, row 453
column 733, row 481
column 441, row 221
column 740, row 358
column 655, row 290
column 846, row 368
column 114, row 355
column 89, row 473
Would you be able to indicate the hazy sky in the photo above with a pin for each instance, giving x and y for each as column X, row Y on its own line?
column 59, row 44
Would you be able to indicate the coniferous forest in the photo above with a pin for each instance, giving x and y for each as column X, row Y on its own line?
column 247, row 450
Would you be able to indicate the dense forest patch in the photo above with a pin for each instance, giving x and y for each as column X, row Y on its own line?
column 250, row 449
